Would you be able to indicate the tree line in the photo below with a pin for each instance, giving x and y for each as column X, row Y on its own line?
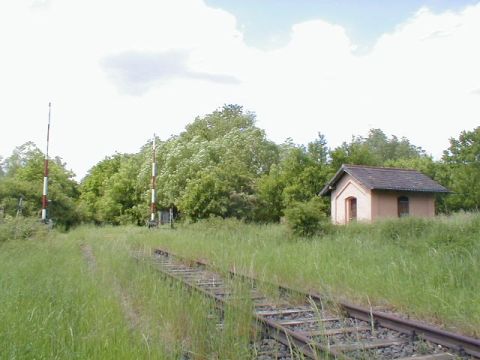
column 223, row 165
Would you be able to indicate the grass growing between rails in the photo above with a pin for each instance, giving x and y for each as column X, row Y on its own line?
column 82, row 295
column 429, row 269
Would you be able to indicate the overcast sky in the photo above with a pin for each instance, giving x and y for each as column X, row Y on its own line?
column 118, row 71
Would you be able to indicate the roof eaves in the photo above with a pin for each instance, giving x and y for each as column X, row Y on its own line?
column 444, row 190
column 327, row 189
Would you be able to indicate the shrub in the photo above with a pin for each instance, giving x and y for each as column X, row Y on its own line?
column 21, row 228
column 307, row 218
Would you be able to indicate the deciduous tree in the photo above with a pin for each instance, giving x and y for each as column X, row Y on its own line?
column 24, row 179
column 461, row 171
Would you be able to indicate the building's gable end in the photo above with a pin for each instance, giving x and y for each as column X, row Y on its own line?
column 350, row 182
column 348, row 187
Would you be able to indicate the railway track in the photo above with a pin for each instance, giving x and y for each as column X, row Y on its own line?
column 317, row 329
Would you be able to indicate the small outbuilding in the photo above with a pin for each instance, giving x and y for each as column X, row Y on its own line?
column 367, row 193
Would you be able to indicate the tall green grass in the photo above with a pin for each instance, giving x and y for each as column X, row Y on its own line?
column 82, row 295
column 50, row 308
column 429, row 269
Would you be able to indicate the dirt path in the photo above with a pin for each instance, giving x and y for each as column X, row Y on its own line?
column 137, row 324
column 131, row 314
column 89, row 257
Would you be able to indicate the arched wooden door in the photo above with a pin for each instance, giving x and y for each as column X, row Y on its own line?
column 351, row 205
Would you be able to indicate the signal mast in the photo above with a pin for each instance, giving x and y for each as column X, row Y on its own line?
column 153, row 203
column 45, row 172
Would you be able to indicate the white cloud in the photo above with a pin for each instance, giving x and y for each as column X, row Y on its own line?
column 178, row 59
column 411, row 83
column 136, row 72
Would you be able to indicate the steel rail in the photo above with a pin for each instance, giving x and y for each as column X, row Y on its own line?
column 461, row 343
column 301, row 343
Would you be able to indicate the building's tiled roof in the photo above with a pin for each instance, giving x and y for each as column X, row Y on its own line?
column 379, row 178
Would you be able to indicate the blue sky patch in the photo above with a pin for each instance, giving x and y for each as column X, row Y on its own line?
column 266, row 24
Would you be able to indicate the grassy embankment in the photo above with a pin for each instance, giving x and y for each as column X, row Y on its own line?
column 429, row 269
column 83, row 296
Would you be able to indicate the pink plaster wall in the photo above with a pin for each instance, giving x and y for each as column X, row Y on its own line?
column 349, row 187
column 373, row 205
column 385, row 204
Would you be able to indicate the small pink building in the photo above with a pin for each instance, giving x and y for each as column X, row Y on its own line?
column 366, row 193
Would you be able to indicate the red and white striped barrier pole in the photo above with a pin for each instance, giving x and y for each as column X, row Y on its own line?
column 153, row 205
column 45, row 172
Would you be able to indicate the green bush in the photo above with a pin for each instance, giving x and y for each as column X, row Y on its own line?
column 307, row 218
column 21, row 228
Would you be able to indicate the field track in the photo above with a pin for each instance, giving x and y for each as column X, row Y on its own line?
column 317, row 328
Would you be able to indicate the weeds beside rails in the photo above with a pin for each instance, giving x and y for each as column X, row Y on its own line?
column 428, row 269
column 369, row 318
column 238, row 297
column 232, row 319
column 80, row 295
